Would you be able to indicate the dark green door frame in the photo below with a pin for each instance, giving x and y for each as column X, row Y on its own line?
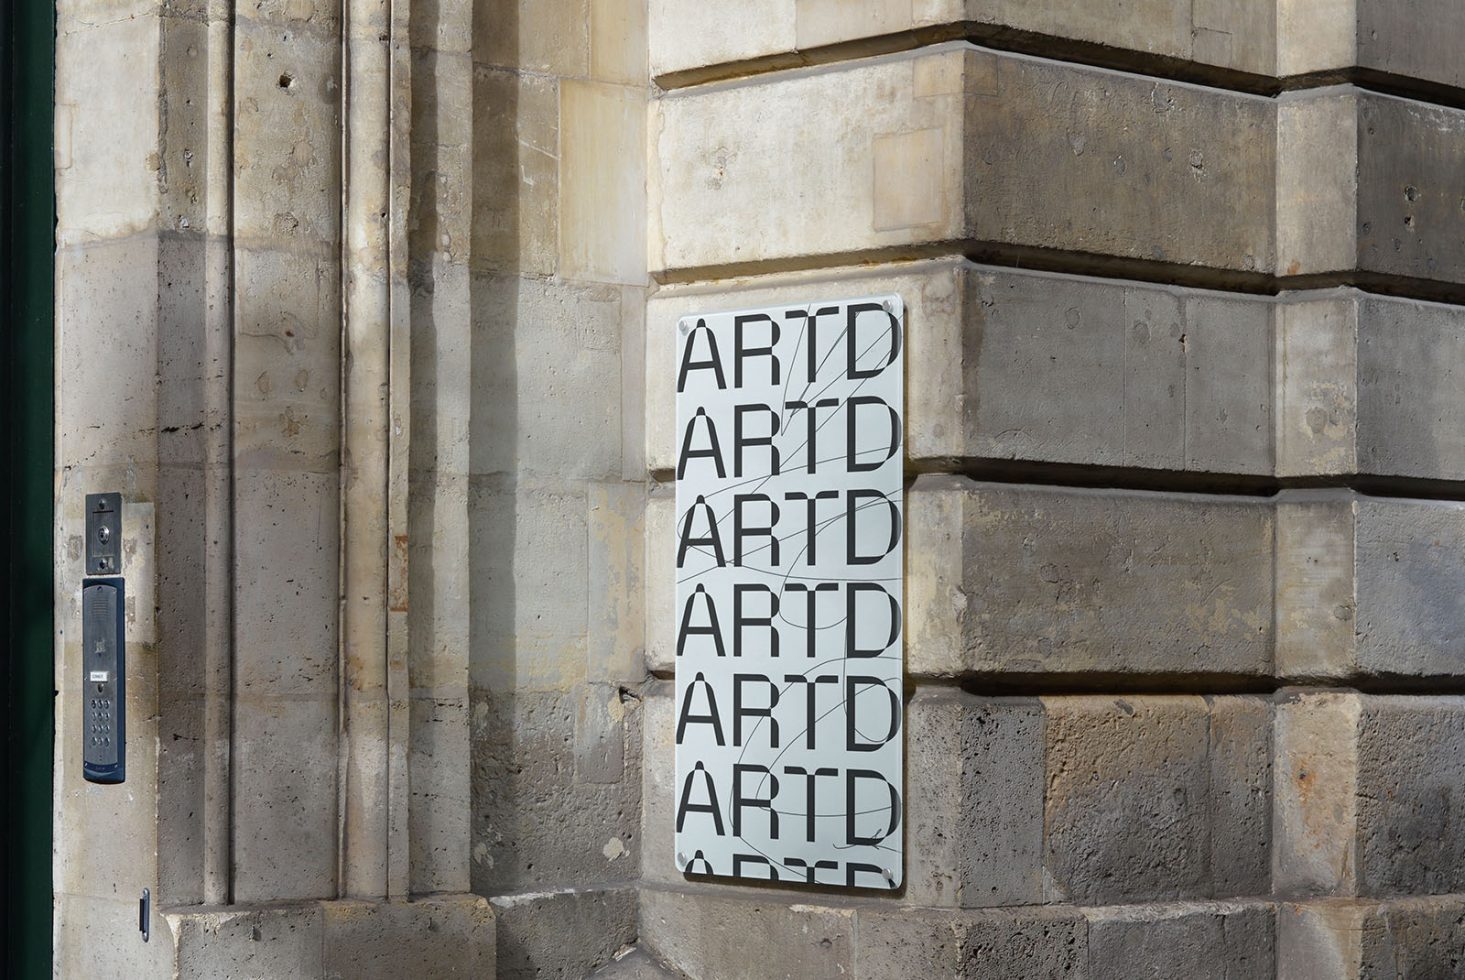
column 27, row 249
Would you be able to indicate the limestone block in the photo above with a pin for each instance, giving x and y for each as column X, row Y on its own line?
column 1009, row 365
column 248, row 943
column 108, row 143
column 537, row 757
column 441, row 207
column 1341, row 939
column 616, row 625
column 1220, row 941
column 285, row 585
column 911, row 942
column 448, row 936
column 566, row 933
column 618, row 37
column 1411, row 413
column 1143, row 804
column 974, row 806
column 1368, row 586
column 550, row 37
column 658, row 785
column 516, row 137
column 956, row 143
column 436, row 937
column 1411, row 40
column 1027, row 943
column 661, row 622
column 602, row 206
column 546, row 377
column 1365, row 787
column 1234, row 34
column 1016, row 580
column 688, row 34
column 1317, row 181
column 439, row 815
column 1410, row 219
column 287, row 390
column 98, row 937
column 1317, row 375
column 1411, row 764
column 529, row 586
column 284, row 775
column 1316, row 35
column 287, row 150
column 747, row 937
column 107, row 396
column 1369, row 182
column 1320, row 940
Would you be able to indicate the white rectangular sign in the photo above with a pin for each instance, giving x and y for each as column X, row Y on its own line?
column 789, row 564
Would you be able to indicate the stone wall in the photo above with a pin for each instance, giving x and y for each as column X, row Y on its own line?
column 1183, row 531
column 367, row 309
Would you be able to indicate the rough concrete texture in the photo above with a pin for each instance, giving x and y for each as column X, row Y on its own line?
column 334, row 940
column 1082, row 799
column 737, row 935
column 562, row 935
column 1237, row 34
column 635, row 964
column 1032, row 367
column 1394, row 161
column 1026, row 367
column 943, row 144
column 1015, row 579
column 1142, row 803
column 1366, row 586
column 1346, row 939
column 1256, row 37
column 555, row 492
column 556, row 792
column 1366, row 789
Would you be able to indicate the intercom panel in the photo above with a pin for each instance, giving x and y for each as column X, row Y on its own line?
column 104, row 681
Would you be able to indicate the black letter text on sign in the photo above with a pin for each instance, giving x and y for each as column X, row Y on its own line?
column 789, row 564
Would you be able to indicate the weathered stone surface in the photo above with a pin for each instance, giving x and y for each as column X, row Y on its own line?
column 1411, row 411
column 1411, row 765
column 1014, row 579
column 1366, row 786
column 1236, row 34
column 562, row 935
column 1043, row 368
column 1347, row 939
column 1027, row 943
column 1411, row 40
column 1391, row 169
column 438, row 937
column 747, row 937
column 1258, row 37
column 974, row 804
column 538, row 756
column 1129, row 812
column 547, row 378
column 1222, row 941
column 634, row 964
column 958, row 143
column 1032, row 367
column 1368, row 586
column 1316, row 794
